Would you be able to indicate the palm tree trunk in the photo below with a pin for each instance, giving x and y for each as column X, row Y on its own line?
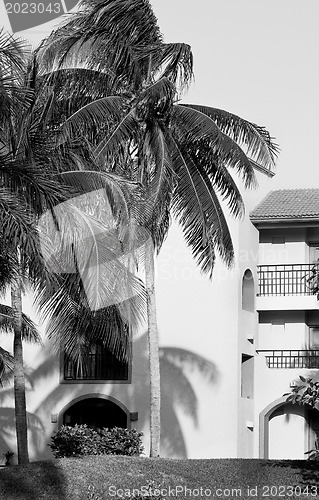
column 155, row 402
column 19, row 382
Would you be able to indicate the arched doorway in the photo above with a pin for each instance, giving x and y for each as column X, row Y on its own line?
column 287, row 431
column 96, row 412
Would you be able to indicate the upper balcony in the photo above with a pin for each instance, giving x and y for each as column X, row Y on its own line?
column 98, row 365
column 285, row 287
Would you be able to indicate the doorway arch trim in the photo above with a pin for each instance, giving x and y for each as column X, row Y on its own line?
column 90, row 396
column 264, row 425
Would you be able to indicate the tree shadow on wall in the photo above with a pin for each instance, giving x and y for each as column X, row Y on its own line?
column 177, row 365
column 37, row 432
column 177, row 396
column 7, row 428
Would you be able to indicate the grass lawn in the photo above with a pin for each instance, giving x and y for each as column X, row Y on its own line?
column 97, row 478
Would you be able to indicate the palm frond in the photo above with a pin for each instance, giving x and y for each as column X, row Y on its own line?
column 208, row 160
column 95, row 113
column 118, row 192
column 94, row 31
column 6, row 366
column 87, row 239
column 29, row 329
column 194, row 125
column 17, row 228
column 259, row 145
column 197, row 208
column 74, row 327
column 155, row 211
column 125, row 130
column 13, row 51
column 176, row 64
column 32, row 181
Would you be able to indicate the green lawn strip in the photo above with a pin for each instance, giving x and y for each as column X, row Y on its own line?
column 95, row 478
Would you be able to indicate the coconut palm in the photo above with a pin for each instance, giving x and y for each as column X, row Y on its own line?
column 28, row 187
column 31, row 161
column 133, row 119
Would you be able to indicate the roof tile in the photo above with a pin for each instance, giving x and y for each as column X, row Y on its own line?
column 290, row 204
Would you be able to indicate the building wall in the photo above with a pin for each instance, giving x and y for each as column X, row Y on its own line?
column 284, row 431
column 294, row 249
column 204, row 334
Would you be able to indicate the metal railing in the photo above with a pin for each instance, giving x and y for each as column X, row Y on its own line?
column 285, row 279
column 291, row 359
column 96, row 366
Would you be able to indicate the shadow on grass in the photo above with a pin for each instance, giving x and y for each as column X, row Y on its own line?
column 30, row 482
column 308, row 470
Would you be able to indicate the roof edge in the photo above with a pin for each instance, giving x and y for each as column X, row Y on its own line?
column 286, row 221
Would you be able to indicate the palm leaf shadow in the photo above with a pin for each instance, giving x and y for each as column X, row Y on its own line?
column 7, row 427
column 177, row 392
column 37, row 431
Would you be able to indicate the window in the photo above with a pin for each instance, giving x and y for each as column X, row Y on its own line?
column 313, row 253
column 247, row 376
column 99, row 364
column 314, row 338
column 248, row 291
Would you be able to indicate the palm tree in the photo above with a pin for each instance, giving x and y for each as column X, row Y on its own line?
column 32, row 185
column 137, row 127
column 27, row 189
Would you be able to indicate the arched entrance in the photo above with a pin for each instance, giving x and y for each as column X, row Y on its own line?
column 96, row 412
column 287, row 436
column 287, row 431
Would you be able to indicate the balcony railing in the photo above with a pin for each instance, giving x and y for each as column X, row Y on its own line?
column 96, row 366
column 285, row 279
column 291, row 359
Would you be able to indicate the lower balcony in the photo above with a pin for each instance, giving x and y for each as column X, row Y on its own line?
column 308, row 359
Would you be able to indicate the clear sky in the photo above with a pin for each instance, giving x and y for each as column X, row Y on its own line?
column 258, row 59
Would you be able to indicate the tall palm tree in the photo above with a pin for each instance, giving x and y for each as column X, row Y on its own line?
column 27, row 189
column 137, row 127
column 32, row 159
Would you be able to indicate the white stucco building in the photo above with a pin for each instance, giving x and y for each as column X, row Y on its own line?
column 288, row 326
column 230, row 348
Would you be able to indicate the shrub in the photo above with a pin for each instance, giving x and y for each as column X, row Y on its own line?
column 8, row 455
column 119, row 441
column 82, row 440
column 313, row 454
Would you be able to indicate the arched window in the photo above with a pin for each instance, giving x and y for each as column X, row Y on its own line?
column 248, row 291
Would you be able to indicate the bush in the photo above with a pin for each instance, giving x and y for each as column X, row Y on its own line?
column 82, row 440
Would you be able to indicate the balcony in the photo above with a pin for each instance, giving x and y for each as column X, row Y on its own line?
column 308, row 359
column 96, row 366
column 285, row 279
column 286, row 286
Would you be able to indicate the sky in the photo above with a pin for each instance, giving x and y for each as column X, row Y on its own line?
column 259, row 60
column 256, row 59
